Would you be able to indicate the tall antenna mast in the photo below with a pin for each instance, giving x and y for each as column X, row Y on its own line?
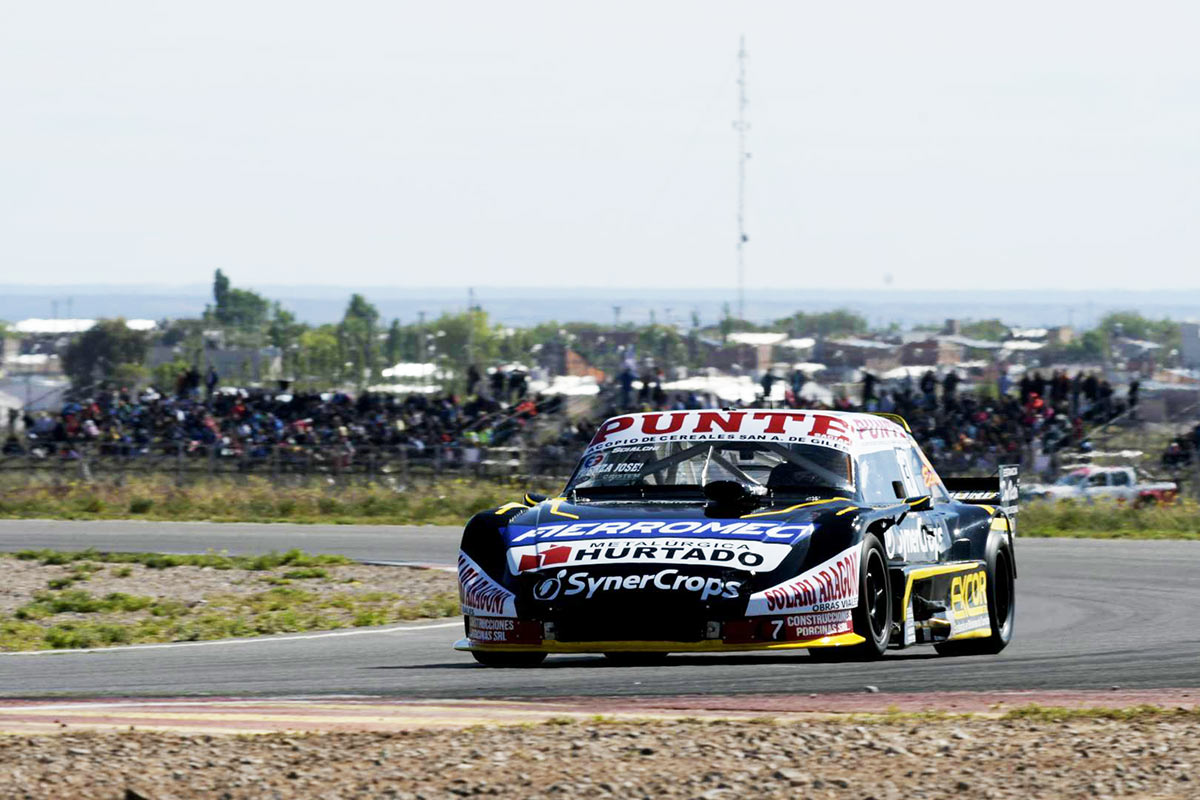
column 741, row 126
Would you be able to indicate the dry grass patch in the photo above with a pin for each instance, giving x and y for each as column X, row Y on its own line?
column 60, row 600
column 252, row 499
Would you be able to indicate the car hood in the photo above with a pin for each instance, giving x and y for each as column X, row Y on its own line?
column 599, row 535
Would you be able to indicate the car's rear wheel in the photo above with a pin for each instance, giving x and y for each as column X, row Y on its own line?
column 508, row 659
column 1002, row 608
column 873, row 615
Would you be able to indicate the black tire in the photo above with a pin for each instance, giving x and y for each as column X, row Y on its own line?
column 508, row 659
column 1002, row 605
column 625, row 659
column 873, row 614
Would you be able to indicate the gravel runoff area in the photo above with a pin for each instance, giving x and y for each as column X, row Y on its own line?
column 191, row 585
column 93, row 603
column 887, row 758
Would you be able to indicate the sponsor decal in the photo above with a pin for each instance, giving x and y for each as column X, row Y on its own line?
column 776, row 426
column 968, row 602
column 829, row 586
column 624, row 468
column 751, row 556
column 975, row 496
column 503, row 631
column 667, row 580
column 479, row 594
column 929, row 475
column 782, row 533
column 877, row 428
column 548, row 588
column 912, row 543
column 526, row 559
column 1009, row 488
column 789, row 628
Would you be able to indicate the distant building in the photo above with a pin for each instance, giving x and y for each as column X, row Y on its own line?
column 10, row 348
column 855, row 352
column 1189, row 351
column 935, row 352
column 1062, row 335
column 739, row 358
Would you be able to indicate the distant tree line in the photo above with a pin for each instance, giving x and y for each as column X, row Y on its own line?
column 355, row 350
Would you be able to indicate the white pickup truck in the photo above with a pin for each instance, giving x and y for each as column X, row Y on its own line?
column 1103, row 483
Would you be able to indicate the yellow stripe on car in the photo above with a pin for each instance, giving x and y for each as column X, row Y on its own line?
column 980, row 633
column 555, row 503
column 793, row 508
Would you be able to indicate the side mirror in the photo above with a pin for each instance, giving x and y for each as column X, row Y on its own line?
column 533, row 498
column 922, row 503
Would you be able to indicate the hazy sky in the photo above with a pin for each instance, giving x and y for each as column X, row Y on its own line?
column 1008, row 145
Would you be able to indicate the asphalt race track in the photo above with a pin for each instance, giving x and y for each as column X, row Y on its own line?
column 414, row 543
column 1090, row 615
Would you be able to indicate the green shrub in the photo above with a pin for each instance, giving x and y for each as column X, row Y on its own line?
column 88, row 503
column 63, row 583
column 306, row 573
column 77, row 601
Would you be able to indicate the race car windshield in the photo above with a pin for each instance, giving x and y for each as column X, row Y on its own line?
column 673, row 468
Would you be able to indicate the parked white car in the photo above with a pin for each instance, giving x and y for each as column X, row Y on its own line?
column 1103, row 483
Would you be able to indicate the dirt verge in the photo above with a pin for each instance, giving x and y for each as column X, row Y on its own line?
column 1152, row 755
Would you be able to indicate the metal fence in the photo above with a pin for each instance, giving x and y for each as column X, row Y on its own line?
column 292, row 464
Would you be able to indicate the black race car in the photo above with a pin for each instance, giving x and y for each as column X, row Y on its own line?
column 749, row 529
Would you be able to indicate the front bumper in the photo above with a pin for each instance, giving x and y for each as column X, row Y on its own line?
column 707, row 646
column 645, row 634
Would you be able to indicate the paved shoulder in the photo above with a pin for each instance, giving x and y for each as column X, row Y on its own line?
column 422, row 543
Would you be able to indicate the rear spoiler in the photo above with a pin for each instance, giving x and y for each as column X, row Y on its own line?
column 999, row 490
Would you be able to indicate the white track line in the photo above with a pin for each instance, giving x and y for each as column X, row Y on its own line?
column 256, row 640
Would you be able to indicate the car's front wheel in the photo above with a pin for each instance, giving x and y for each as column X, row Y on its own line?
column 873, row 615
column 508, row 659
column 1002, row 607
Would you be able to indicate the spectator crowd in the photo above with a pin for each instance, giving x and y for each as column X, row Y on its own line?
column 961, row 432
column 235, row 422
